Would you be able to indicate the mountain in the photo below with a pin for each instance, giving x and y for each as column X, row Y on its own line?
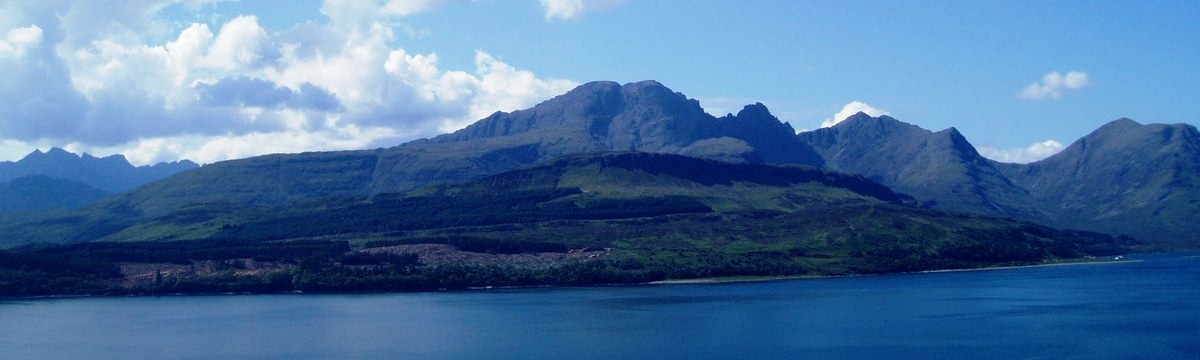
column 1125, row 177
column 40, row 192
column 594, row 117
column 941, row 169
column 644, row 116
column 111, row 174
column 585, row 219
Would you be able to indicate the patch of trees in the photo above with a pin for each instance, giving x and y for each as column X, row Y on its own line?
column 93, row 268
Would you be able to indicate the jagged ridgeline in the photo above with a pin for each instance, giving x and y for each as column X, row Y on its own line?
column 1123, row 179
column 57, row 179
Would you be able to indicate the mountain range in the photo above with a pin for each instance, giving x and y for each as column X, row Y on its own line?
column 57, row 179
column 1123, row 179
column 607, row 183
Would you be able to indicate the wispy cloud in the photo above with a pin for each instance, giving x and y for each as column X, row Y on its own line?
column 573, row 9
column 1054, row 84
column 1031, row 153
column 852, row 108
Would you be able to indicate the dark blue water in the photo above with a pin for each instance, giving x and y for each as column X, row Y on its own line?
column 1136, row 310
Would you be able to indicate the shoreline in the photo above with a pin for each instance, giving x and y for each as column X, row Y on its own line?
column 712, row 280
column 750, row 279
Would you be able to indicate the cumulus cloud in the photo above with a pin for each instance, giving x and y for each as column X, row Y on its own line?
column 1035, row 152
column 232, row 89
column 572, row 9
column 17, row 41
column 1054, row 84
column 852, row 108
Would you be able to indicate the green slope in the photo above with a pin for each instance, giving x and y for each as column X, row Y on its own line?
column 606, row 218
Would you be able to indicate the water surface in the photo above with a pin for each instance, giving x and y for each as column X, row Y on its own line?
column 1134, row 310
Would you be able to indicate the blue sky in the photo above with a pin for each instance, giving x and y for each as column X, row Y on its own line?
column 215, row 80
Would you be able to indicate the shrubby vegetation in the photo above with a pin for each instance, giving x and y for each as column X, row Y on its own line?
column 526, row 228
column 765, row 243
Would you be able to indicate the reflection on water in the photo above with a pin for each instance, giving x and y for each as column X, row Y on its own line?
column 1147, row 309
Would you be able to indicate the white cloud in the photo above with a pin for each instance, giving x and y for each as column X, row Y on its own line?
column 241, row 44
column 1035, row 152
column 359, row 12
column 215, row 149
column 240, row 91
column 721, row 106
column 852, row 108
column 572, row 9
column 17, row 41
column 13, row 150
column 502, row 87
column 1054, row 84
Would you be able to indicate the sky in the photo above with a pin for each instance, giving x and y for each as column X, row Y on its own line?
column 212, row 80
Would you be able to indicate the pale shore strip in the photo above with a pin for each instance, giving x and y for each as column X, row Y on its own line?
column 742, row 279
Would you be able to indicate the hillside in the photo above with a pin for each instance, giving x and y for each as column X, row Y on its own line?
column 1125, row 177
column 941, row 169
column 583, row 219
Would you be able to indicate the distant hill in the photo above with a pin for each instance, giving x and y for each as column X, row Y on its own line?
column 1125, row 177
column 112, row 174
column 40, row 192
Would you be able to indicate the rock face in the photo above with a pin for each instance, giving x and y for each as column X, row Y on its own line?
column 1125, row 177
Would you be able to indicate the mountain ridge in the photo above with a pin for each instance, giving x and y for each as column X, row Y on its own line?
column 1142, row 180
column 940, row 169
column 111, row 173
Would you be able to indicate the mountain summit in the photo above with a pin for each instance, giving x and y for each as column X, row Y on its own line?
column 642, row 116
column 940, row 168
column 594, row 117
column 1125, row 177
